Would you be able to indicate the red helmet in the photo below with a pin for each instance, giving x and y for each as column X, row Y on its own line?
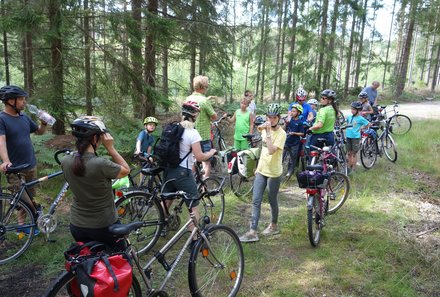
column 300, row 94
column 190, row 108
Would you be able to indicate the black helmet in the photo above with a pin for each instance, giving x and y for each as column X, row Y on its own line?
column 259, row 120
column 356, row 105
column 363, row 95
column 12, row 92
column 87, row 126
column 330, row 94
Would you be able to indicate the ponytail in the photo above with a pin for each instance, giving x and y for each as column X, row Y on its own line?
column 79, row 168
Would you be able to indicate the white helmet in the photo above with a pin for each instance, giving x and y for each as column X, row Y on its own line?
column 301, row 94
column 313, row 101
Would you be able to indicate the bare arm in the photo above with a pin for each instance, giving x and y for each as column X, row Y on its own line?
column 107, row 141
column 310, row 117
column 251, row 123
column 41, row 129
column 201, row 156
column 4, row 154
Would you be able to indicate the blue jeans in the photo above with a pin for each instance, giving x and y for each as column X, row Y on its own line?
column 273, row 186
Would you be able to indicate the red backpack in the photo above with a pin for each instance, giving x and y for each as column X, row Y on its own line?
column 98, row 273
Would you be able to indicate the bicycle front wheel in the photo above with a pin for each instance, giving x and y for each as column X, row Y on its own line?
column 66, row 286
column 314, row 220
column 338, row 188
column 399, row 124
column 216, row 268
column 241, row 186
column 214, row 205
column 17, row 228
column 389, row 148
column 368, row 152
column 141, row 206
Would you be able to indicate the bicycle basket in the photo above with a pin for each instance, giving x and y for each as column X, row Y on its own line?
column 311, row 179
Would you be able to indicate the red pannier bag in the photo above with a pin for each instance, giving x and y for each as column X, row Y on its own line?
column 97, row 272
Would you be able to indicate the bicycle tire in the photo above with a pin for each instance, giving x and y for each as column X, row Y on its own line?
column 399, row 124
column 15, row 240
column 286, row 161
column 241, row 186
column 214, row 205
column 389, row 148
column 314, row 220
column 338, row 188
column 142, row 206
column 61, row 286
column 218, row 270
column 341, row 160
column 368, row 152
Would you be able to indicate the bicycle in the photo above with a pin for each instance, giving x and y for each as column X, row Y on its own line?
column 397, row 124
column 373, row 145
column 242, row 182
column 146, row 205
column 326, row 189
column 18, row 221
column 215, row 267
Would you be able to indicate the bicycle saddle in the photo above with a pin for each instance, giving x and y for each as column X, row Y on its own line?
column 317, row 167
column 248, row 136
column 17, row 169
column 124, row 229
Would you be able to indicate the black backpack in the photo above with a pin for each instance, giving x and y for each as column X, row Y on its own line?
column 168, row 147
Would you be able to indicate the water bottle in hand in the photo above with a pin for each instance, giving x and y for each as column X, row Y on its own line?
column 42, row 115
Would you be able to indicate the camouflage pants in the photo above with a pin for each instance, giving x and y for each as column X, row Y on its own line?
column 15, row 183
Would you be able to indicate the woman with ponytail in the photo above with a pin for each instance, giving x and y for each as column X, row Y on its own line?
column 325, row 119
column 90, row 179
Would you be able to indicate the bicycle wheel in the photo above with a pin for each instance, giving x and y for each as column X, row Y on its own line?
column 341, row 160
column 214, row 205
column 17, row 228
column 141, row 206
column 216, row 270
column 314, row 219
column 241, row 186
column 399, row 124
column 286, row 161
column 368, row 152
column 62, row 286
column 389, row 148
column 338, row 188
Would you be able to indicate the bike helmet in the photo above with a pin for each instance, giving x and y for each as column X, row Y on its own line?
column 190, row 108
column 330, row 94
column 12, row 92
column 300, row 94
column 356, row 105
column 87, row 126
column 273, row 109
column 298, row 107
column 151, row 120
column 259, row 120
column 363, row 95
column 313, row 101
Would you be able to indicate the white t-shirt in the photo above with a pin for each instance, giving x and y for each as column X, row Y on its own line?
column 252, row 107
column 189, row 137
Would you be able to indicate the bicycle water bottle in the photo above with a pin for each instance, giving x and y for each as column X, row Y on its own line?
column 42, row 115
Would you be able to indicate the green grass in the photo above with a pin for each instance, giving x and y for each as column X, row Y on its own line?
column 368, row 248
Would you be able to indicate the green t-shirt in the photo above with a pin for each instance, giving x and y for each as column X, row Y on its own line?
column 93, row 204
column 242, row 124
column 203, row 122
column 327, row 117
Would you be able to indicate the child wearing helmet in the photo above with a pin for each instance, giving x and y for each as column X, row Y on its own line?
column 300, row 98
column 90, row 179
column 366, row 111
column 145, row 139
column 294, row 130
column 268, row 173
column 243, row 124
column 353, row 133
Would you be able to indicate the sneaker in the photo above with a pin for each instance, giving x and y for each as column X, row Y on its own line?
column 270, row 231
column 251, row 236
column 26, row 230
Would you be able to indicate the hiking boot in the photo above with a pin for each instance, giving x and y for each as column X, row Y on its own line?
column 251, row 236
column 270, row 231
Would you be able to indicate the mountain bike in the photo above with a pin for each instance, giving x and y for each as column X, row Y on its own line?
column 327, row 190
column 242, row 174
column 374, row 145
column 397, row 124
column 147, row 206
column 215, row 267
column 18, row 221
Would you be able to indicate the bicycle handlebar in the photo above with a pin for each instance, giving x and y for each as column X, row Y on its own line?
column 62, row 151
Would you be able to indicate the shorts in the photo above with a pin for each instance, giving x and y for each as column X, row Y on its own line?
column 206, row 147
column 28, row 175
column 353, row 144
column 184, row 181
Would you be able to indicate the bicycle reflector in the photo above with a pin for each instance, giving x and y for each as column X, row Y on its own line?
column 312, row 191
column 314, row 153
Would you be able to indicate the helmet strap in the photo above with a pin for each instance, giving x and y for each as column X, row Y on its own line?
column 13, row 106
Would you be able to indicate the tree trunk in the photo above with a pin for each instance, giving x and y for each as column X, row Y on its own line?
column 57, row 74
column 342, row 45
column 260, row 57
column 265, row 46
column 323, row 38
column 135, row 45
column 292, row 51
column 331, row 46
column 361, row 45
column 87, row 45
column 28, row 59
column 349, row 54
column 283, row 42
column 165, row 56
column 5, row 48
column 388, row 45
column 150, row 62
column 278, row 48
